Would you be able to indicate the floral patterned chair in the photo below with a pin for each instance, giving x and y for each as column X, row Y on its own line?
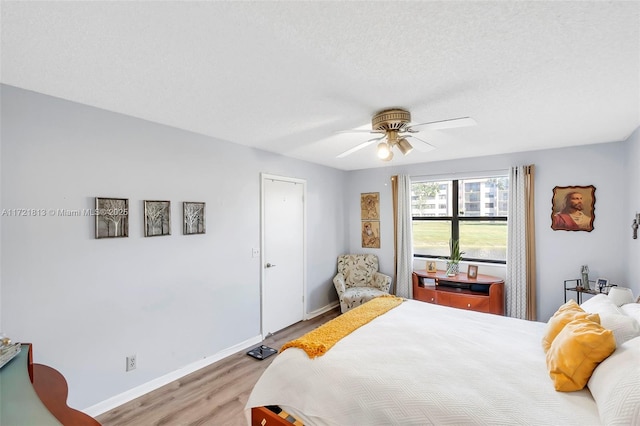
column 358, row 280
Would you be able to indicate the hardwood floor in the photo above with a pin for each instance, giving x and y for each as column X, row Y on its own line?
column 214, row 395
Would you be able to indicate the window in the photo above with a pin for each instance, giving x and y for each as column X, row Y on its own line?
column 466, row 210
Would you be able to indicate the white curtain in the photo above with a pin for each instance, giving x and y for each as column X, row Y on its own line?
column 520, row 277
column 404, row 240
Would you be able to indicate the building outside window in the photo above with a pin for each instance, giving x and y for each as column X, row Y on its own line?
column 474, row 211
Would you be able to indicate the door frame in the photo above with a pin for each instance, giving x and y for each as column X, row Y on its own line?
column 264, row 177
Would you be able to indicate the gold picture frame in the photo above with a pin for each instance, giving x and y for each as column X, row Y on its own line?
column 431, row 266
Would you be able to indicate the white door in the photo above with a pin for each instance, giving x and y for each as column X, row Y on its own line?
column 283, row 253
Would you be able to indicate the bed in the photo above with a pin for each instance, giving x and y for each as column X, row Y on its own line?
column 420, row 364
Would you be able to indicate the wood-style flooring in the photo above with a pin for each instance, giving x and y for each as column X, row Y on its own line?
column 214, row 395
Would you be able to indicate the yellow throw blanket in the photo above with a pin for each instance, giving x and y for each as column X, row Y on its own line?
column 316, row 342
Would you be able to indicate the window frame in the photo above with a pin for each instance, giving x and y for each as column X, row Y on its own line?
column 456, row 218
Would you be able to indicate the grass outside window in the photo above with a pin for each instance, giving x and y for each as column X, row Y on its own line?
column 479, row 240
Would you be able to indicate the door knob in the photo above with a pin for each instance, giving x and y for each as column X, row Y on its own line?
column 270, row 265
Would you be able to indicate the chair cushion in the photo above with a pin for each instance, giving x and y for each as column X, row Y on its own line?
column 356, row 296
column 357, row 269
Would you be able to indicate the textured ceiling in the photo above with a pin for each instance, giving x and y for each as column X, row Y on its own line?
column 288, row 76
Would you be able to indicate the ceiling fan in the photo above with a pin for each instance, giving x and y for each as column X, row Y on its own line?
column 393, row 125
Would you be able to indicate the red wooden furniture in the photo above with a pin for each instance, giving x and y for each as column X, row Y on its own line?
column 485, row 293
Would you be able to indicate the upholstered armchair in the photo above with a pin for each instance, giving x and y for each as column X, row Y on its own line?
column 358, row 280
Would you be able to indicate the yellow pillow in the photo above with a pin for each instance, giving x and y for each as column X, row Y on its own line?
column 564, row 315
column 576, row 352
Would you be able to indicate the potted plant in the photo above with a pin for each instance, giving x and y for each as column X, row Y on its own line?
column 453, row 264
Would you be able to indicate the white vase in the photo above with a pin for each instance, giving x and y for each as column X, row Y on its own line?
column 453, row 268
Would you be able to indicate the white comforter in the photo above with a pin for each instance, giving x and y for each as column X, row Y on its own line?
column 424, row 364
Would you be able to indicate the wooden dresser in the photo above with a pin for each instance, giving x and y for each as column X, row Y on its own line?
column 485, row 293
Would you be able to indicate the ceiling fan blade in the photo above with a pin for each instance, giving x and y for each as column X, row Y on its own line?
column 445, row 124
column 359, row 147
column 420, row 144
column 359, row 131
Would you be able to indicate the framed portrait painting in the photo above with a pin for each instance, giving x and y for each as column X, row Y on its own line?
column 573, row 208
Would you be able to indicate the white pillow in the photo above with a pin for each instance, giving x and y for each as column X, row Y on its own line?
column 621, row 295
column 615, row 385
column 632, row 310
column 600, row 304
column 624, row 327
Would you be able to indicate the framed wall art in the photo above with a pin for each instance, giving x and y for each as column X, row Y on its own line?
column 112, row 217
column 370, row 206
column 371, row 234
column 194, row 218
column 602, row 283
column 573, row 208
column 472, row 271
column 157, row 218
column 370, row 217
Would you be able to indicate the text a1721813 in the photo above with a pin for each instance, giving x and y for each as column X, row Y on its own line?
column 51, row 212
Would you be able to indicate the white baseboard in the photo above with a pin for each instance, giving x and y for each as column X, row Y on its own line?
column 322, row 310
column 138, row 391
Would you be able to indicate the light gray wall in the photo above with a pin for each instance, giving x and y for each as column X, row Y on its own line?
column 559, row 253
column 632, row 208
column 173, row 300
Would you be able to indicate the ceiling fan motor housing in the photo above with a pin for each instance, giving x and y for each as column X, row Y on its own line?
column 391, row 119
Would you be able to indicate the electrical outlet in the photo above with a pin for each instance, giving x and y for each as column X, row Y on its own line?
column 131, row 362
column 255, row 252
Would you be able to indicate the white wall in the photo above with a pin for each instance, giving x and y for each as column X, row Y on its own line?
column 559, row 253
column 173, row 300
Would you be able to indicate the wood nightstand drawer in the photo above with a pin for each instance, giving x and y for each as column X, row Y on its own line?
column 425, row 295
column 472, row 303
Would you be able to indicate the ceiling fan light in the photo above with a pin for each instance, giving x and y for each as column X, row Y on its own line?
column 384, row 150
column 388, row 157
column 404, row 146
